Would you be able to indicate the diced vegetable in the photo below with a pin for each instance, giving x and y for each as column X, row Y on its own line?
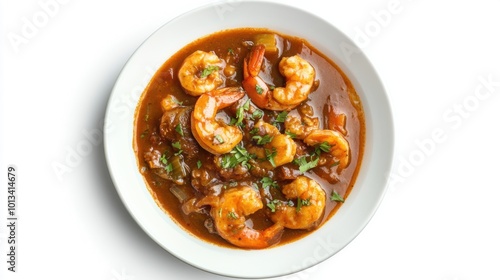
column 179, row 193
column 179, row 168
column 268, row 40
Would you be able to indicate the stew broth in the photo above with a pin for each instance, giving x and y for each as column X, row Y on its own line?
column 161, row 151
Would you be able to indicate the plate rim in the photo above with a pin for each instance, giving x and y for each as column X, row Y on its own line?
column 109, row 152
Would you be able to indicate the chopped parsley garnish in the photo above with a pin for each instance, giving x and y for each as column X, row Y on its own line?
column 163, row 159
column 254, row 131
column 240, row 113
column 232, row 215
column 281, row 117
column 291, row 134
column 272, row 205
column 169, row 167
column 323, row 147
column 262, row 140
column 230, row 51
column 177, row 145
column 335, row 196
column 302, row 202
column 179, row 130
column 239, row 155
column 219, row 139
column 259, row 89
column 305, row 165
column 209, row 70
column 335, row 164
column 270, row 156
column 198, row 164
column 268, row 182
column 257, row 114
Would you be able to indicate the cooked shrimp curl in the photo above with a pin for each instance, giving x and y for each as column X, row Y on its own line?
column 281, row 146
column 301, row 127
column 200, row 74
column 311, row 200
column 338, row 145
column 299, row 75
column 214, row 135
column 229, row 212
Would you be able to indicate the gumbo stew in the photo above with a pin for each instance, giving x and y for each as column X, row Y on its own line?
column 249, row 138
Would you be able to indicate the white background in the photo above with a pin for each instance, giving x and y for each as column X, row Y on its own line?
column 440, row 216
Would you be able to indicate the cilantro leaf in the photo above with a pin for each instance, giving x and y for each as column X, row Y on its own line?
column 239, row 155
column 291, row 134
column 281, row 117
column 257, row 114
column 272, row 205
column 305, row 165
column 177, row 145
column 219, row 139
column 259, row 89
column 302, row 202
column 179, row 130
column 209, row 70
column 270, row 156
column 163, row 158
column 335, row 196
column 240, row 113
column 323, row 147
column 169, row 167
column 262, row 140
column 268, row 182
column 232, row 215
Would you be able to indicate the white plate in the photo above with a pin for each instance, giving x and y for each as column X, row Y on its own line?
column 317, row 247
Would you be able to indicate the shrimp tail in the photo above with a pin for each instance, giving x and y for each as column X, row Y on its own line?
column 227, row 96
column 254, row 239
column 253, row 62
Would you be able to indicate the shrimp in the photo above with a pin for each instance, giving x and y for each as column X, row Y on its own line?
column 311, row 200
column 337, row 144
column 200, row 74
column 279, row 149
column 169, row 102
column 214, row 135
column 299, row 76
column 301, row 127
column 229, row 212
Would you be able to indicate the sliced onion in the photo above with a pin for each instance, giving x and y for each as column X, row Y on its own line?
column 179, row 193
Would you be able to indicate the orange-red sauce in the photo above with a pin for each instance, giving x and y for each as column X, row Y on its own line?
column 334, row 96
